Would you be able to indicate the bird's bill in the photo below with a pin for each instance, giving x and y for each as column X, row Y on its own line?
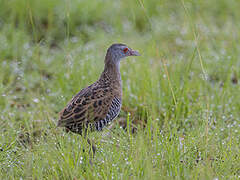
column 134, row 53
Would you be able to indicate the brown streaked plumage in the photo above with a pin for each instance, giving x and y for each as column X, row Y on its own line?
column 98, row 104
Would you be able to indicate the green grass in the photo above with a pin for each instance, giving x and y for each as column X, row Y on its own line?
column 180, row 97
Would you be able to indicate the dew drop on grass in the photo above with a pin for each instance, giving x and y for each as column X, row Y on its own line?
column 48, row 90
column 36, row 100
column 74, row 39
column 81, row 160
column 11, row 114
column 26, row 46
column 179, row 41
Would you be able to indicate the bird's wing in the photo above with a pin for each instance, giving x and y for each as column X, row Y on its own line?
column 92, row 107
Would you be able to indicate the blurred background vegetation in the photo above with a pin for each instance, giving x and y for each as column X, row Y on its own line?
column 182, row 94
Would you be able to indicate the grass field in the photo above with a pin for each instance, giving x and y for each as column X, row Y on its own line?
column 180, row 117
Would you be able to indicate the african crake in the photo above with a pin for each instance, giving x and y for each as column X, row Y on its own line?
column 98, row 104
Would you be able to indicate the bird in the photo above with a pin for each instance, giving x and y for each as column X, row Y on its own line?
column 97, row 105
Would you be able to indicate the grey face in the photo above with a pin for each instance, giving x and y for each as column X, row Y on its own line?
column 120, row 51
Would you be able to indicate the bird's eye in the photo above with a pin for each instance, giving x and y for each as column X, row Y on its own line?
column 125, row 50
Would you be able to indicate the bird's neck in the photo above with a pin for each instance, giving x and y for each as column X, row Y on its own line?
column 112, row 70
column 111, row 76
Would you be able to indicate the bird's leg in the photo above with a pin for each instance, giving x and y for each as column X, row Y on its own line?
column 92, row 148
column 91, row 151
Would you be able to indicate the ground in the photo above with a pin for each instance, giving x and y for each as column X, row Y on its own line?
column 180, row 117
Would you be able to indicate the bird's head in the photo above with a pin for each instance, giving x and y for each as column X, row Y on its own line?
column 116, row 52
